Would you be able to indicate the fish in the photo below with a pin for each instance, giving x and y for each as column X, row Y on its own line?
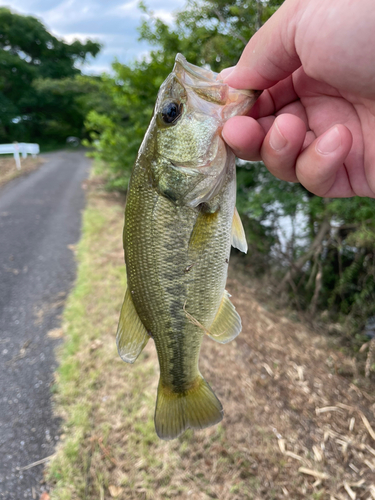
column 180, row 223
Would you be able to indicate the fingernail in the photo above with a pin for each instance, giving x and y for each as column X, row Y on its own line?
column 277, row 140
column 329, row 142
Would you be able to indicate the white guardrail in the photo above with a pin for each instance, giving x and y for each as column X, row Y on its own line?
column 18, row 148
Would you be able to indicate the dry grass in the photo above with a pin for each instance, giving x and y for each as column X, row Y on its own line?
column 294, row 427
column 8, row 169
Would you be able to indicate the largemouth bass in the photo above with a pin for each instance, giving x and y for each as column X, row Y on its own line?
column 180, row 222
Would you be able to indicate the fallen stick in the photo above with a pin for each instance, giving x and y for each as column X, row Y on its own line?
column 38, row 462
column 314, row 473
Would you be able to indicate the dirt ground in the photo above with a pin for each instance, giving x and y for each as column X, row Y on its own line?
column 299, row 417
column 322, row 422
column 8, row 169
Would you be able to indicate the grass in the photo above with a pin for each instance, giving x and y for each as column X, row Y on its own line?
column 8, row 169
column 270, row 380
column 88, row 314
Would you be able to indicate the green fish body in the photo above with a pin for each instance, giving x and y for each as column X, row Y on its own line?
column 180, row 222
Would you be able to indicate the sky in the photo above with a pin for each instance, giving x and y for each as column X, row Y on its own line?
column 111, row 22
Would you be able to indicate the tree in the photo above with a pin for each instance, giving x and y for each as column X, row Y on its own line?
column 28, row 53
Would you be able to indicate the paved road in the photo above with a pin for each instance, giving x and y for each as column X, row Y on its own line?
column 40, row 217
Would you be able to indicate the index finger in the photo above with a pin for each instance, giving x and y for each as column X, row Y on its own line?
column 274, row 99
column 271, row 55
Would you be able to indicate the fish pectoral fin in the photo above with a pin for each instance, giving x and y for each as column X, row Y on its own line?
column 197, row 408
column 131, row 335
column 227, row 323
column 238, row 233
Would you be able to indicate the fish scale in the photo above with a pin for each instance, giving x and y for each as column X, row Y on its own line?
column 180, row 222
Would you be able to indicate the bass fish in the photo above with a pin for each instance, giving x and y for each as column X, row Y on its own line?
column 180, row 222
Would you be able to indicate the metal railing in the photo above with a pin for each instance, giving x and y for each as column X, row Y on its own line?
column 18, row 148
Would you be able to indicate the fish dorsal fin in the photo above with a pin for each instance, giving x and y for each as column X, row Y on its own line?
column 238, row 233
column 227, row 323
column 131, row 335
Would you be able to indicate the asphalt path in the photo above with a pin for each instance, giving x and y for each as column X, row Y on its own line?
column 40, row 220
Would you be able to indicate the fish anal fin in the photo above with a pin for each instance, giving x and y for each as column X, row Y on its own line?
column 227, row 323
column 131, row 335
column 238, row 233
column 196, row 408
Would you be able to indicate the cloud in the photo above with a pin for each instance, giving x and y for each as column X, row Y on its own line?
column 165, row 15
column 82, row 37
column 113, row 23
column 127, row 9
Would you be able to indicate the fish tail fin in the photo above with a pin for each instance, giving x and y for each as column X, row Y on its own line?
column 198, row 407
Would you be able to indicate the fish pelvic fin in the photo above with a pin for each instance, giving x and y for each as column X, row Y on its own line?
column 238, row 233
column 227, row 323
column 197, row 408
column 131, row 336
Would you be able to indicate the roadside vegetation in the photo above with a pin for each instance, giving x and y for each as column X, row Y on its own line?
column 9, row 171
column 298, row 414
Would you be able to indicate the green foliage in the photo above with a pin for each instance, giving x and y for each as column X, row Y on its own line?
column 261, row 201
column 345, row 255
column 264, row 197
column 30, row 110
column 352, row 256
column 64, row 103
column 117, row 132
column 210, row 32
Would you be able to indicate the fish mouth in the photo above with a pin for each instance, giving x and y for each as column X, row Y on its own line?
column 196, row 72
column 205, row 84
column 207, row 75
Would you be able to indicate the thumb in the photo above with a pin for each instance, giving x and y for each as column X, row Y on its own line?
column 270, row 55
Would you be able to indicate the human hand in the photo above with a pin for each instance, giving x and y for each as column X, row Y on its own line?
column 315, row 123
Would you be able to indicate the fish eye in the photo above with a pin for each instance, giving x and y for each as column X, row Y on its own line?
column 171, row 112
